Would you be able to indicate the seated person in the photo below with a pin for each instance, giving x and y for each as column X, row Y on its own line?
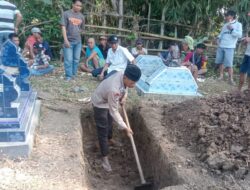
column 47, row 49
column 195, row 61
column 187, row 46
column 103, row 46
column 139, row 50
column 172, row 54
column 15, row 39
column 41, row 64
column 94, row 57
column 28, row 47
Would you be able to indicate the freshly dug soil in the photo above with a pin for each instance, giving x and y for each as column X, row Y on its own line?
column 216, row 129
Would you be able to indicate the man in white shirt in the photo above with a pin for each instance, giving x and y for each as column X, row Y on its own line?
column 117, row 59
column 8, row 12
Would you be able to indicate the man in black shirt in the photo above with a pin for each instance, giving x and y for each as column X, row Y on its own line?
column 103, row 46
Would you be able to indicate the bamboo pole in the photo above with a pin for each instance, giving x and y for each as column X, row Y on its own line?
column 141, row 18
column 162, row 25
column 120, row 22
column 148, row 24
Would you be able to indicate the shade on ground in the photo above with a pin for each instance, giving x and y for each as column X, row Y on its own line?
column 157, row 78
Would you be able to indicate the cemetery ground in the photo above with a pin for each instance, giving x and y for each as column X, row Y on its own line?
column 184, row 143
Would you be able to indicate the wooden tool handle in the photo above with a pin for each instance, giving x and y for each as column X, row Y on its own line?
column 134, row 147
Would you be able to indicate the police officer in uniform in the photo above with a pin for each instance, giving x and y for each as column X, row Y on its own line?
column 106, row 99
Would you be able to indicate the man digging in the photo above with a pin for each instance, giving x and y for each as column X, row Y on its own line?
column 106, row 99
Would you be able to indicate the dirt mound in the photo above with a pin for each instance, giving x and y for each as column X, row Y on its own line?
column 216, row 129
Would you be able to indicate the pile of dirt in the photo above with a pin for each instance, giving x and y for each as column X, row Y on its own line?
column 216, row 129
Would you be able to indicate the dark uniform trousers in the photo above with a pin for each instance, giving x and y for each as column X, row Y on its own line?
column 103, row 121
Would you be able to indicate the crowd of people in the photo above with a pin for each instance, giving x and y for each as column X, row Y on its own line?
column 116, row 64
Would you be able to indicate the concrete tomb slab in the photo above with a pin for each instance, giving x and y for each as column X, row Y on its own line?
column 157, row 78
column 19, row 109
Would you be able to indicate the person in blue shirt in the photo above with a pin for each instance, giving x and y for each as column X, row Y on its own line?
column 94, row 57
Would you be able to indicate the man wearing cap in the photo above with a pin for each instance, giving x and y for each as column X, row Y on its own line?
column 41, row 64
column 106, row 99
column 117, row 59
column 139, row 49
column 227, row 40
column 31, row 40
column 8, row 12
column 103, row 46
column 73, row 24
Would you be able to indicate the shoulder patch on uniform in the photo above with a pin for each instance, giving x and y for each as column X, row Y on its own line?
column 116, row 95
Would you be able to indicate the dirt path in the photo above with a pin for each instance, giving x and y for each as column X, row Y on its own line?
column 56, row 160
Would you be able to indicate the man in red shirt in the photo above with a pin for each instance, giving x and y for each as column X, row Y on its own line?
column 195, row 61
column 31, row 40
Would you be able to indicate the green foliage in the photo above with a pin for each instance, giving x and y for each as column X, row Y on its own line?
column 44, row 14
column 205, row 16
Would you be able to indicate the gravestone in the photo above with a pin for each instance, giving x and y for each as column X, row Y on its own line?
column 19, row 109
column 157, row 78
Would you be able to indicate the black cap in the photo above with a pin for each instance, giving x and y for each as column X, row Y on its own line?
column 132, row 72
column 113, row 39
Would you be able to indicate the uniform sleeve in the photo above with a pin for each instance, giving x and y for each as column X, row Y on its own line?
column 113, row 101
column 237, row 31
column 129, row 56
column 188, row 56
column 146, row 51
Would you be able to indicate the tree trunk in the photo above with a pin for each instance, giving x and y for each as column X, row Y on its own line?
column 148, row 26
column 162, row 25
column 114, row 5
column 120, row 15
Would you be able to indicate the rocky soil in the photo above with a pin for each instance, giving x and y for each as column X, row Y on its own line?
column 216, row 129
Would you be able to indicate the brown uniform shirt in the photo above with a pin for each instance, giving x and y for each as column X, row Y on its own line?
column 108, row 95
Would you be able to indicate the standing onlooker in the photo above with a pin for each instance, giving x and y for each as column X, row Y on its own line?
column 245, row 66
column 8, row 12
column 103, row 46
column 72, row 23
column 139, row 49
column 227, row 39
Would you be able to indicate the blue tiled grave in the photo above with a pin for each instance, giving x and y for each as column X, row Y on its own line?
column 157, row 78
column 18, row 105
